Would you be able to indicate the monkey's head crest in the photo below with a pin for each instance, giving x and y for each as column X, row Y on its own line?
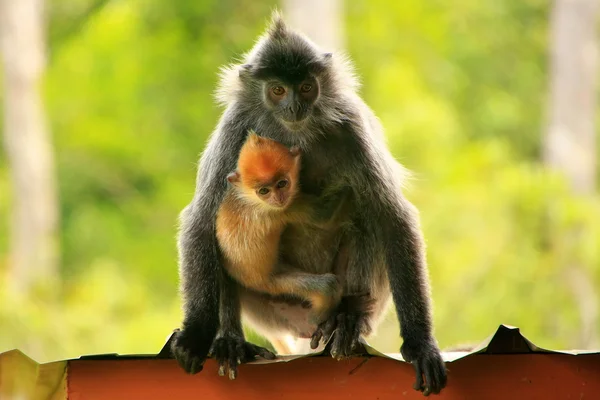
column 285, row 54
column 278, row 28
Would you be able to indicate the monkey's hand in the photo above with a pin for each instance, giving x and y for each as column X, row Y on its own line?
column 232, row 350
column 425, row 356
column 345, row 326
column 190, row 348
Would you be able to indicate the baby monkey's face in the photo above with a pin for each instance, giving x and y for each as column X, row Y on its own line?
column 277, row 194
column 267, row 173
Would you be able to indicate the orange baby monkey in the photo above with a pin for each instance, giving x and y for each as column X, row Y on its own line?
column 264, row 198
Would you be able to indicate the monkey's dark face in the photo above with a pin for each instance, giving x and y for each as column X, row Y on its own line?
column 291, row 102
column 289, row 76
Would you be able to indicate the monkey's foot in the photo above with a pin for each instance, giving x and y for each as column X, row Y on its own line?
column 230, row 351
column 323, row 332
column 190, row 348
column 425, row 356
column 345, row 327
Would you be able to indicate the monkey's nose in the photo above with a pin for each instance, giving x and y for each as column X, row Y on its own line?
column 299, row 113
column 280, row 199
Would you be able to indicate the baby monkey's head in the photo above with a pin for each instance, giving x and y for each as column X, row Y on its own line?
column 267, row 172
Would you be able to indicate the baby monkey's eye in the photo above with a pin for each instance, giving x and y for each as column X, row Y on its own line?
column 278, row 90
column 282, row 183
column 305, row 88
column 263, row 191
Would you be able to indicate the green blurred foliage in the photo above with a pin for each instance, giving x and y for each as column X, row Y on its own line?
column 460, row 88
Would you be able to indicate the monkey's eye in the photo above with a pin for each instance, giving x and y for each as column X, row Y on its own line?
column 282, row 183
column 305, row 88
column 263, row 191
column 278, row 90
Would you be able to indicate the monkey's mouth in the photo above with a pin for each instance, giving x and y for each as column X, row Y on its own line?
column 295, row 124
column 298, row 116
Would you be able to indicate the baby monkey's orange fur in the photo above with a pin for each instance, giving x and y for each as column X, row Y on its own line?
column 263, row 199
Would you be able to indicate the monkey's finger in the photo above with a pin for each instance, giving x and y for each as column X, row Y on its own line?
column 323, row 332
column 439, row 376
column 316, row 338
column 211, row 350
column 430, row 382
column 197, row 365
column 340, row 338
column 329, row 328
column 245, row 353
column 419, row 382
column 442, row 375
column 233, row 349
column 336, row 344
column 248, row 353
column 232, row 372
column 191, row 364
column 349, row 337
column 242, row 353
column 264, row 353
column 220, row 353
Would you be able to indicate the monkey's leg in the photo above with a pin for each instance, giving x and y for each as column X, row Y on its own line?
column 275, row 317
column 230, row 348
column 323, row 290
column 358, row 262
column 284, row 322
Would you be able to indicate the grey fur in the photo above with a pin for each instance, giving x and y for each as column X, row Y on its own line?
column 343, row 147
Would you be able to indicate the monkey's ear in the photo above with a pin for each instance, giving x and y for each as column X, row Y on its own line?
column 295, row 151
column 278, row 29
column 245, row 70
column 253, row 136
column 233, row 177
column 320, row 63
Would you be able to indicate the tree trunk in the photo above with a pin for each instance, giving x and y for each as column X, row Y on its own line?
column 34, row 222
column 570, row 143
column 321, row 20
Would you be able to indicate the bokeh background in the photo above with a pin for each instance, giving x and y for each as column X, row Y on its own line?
column 107, row 105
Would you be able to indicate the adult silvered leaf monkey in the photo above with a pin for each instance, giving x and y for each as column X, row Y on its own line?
column 290, row 91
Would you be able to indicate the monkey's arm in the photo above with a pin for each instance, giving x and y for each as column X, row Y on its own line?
column 199, row 256
column 230, row 344
column 198, row 264
column 410, row 290
column 404, row 252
